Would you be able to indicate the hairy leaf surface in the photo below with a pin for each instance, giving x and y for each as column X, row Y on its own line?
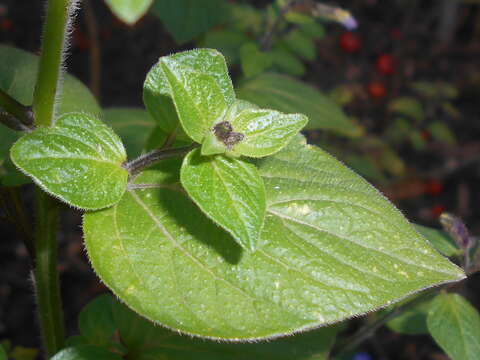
column 78, row 160
column 229, row 191
column 333, row 248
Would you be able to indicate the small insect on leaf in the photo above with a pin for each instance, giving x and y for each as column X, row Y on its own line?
column 224, row 133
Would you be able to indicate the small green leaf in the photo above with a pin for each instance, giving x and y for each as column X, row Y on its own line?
column 440, row 240
column 253, row 60
column 332, row 248
column 412, row 321
column 79, row 160
column 301, row 44
column 96, row 321
column 230, row 192
column 287, row 62
column 285, row 94
column 133, row 125
column 407, row 106
column 188, row 19
column 198, row 83
column 265, row 131
column 129, row 11
column 455, row 325
column 441, row 132
column 86, row 352
column 18, row 73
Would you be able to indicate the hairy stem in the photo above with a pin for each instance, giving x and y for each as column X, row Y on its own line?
column 45, row 96
column 135, row 166
column 50, row 67
column 46, row 275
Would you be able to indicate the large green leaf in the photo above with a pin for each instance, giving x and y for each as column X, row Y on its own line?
column 229, row 191
column 79, row 160
column 133, row 125
column 18, row 72
column 86, row 352
column 288, row 95
column 455, row 325
column 333, row 248
column 129, row 11
column 187, row 19
column 198, row 83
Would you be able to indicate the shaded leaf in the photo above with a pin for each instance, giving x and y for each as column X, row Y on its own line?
column 78, row 160
column 229, row 191
column 3, row 354
column 455, row 325
column 412, row 321
column 133, row 125
column 129, row 11
column 86, row 352
column 96, row 321
column 227, row 42
column 332, row 248
column 253, row 60
column 187, row 19
column 440, row 240
column 18, row 73
column 407, row 106
column 286, row 62
column 288, row 95
column 300, row 44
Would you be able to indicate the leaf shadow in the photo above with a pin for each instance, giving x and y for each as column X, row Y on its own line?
column 188, row 216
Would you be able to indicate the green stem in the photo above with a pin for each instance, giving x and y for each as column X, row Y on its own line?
column 45, row 95
column 50, row 67
column 46, row 274
column 13, row 107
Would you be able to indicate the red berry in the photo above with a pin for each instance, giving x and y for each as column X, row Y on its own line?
column 350, row 42
column 385, row 64
column 433, row 187
column 376, row 89
column 6, row 24
column 437, row 210
column 425, row 135
column 396, row 34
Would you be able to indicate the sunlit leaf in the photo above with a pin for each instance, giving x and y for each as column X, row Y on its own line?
column 332, row 248
column 79, row 160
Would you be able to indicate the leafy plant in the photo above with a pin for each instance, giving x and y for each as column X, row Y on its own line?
column 222, row 222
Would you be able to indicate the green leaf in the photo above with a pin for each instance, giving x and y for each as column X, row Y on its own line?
column 253, row 60
column 18, row 73
column 265, row 131
column 288, row 95
column 86, row 352
column 199, row 85
column 23, row 353
column 441, row 132
column 133, row 125
column 129, row 11
column 3, row 354
column 187, row 19
column 440, row 240
column 412, row 321
column 455, row 325
column 230, row 192
column 301, row 44
column 286, row 62
column 227, row 42
column 96, row 321
column 78, row 160
column 333, row 248
column 150, row 342
column 407, row 106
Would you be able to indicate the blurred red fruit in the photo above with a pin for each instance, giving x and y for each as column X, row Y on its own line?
column 433, row 187
column 425, row 135
column 376, row 90
column 396, row 34
column 385, row 64
column 350, row 42
column 437, row 210
column 6, row 24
